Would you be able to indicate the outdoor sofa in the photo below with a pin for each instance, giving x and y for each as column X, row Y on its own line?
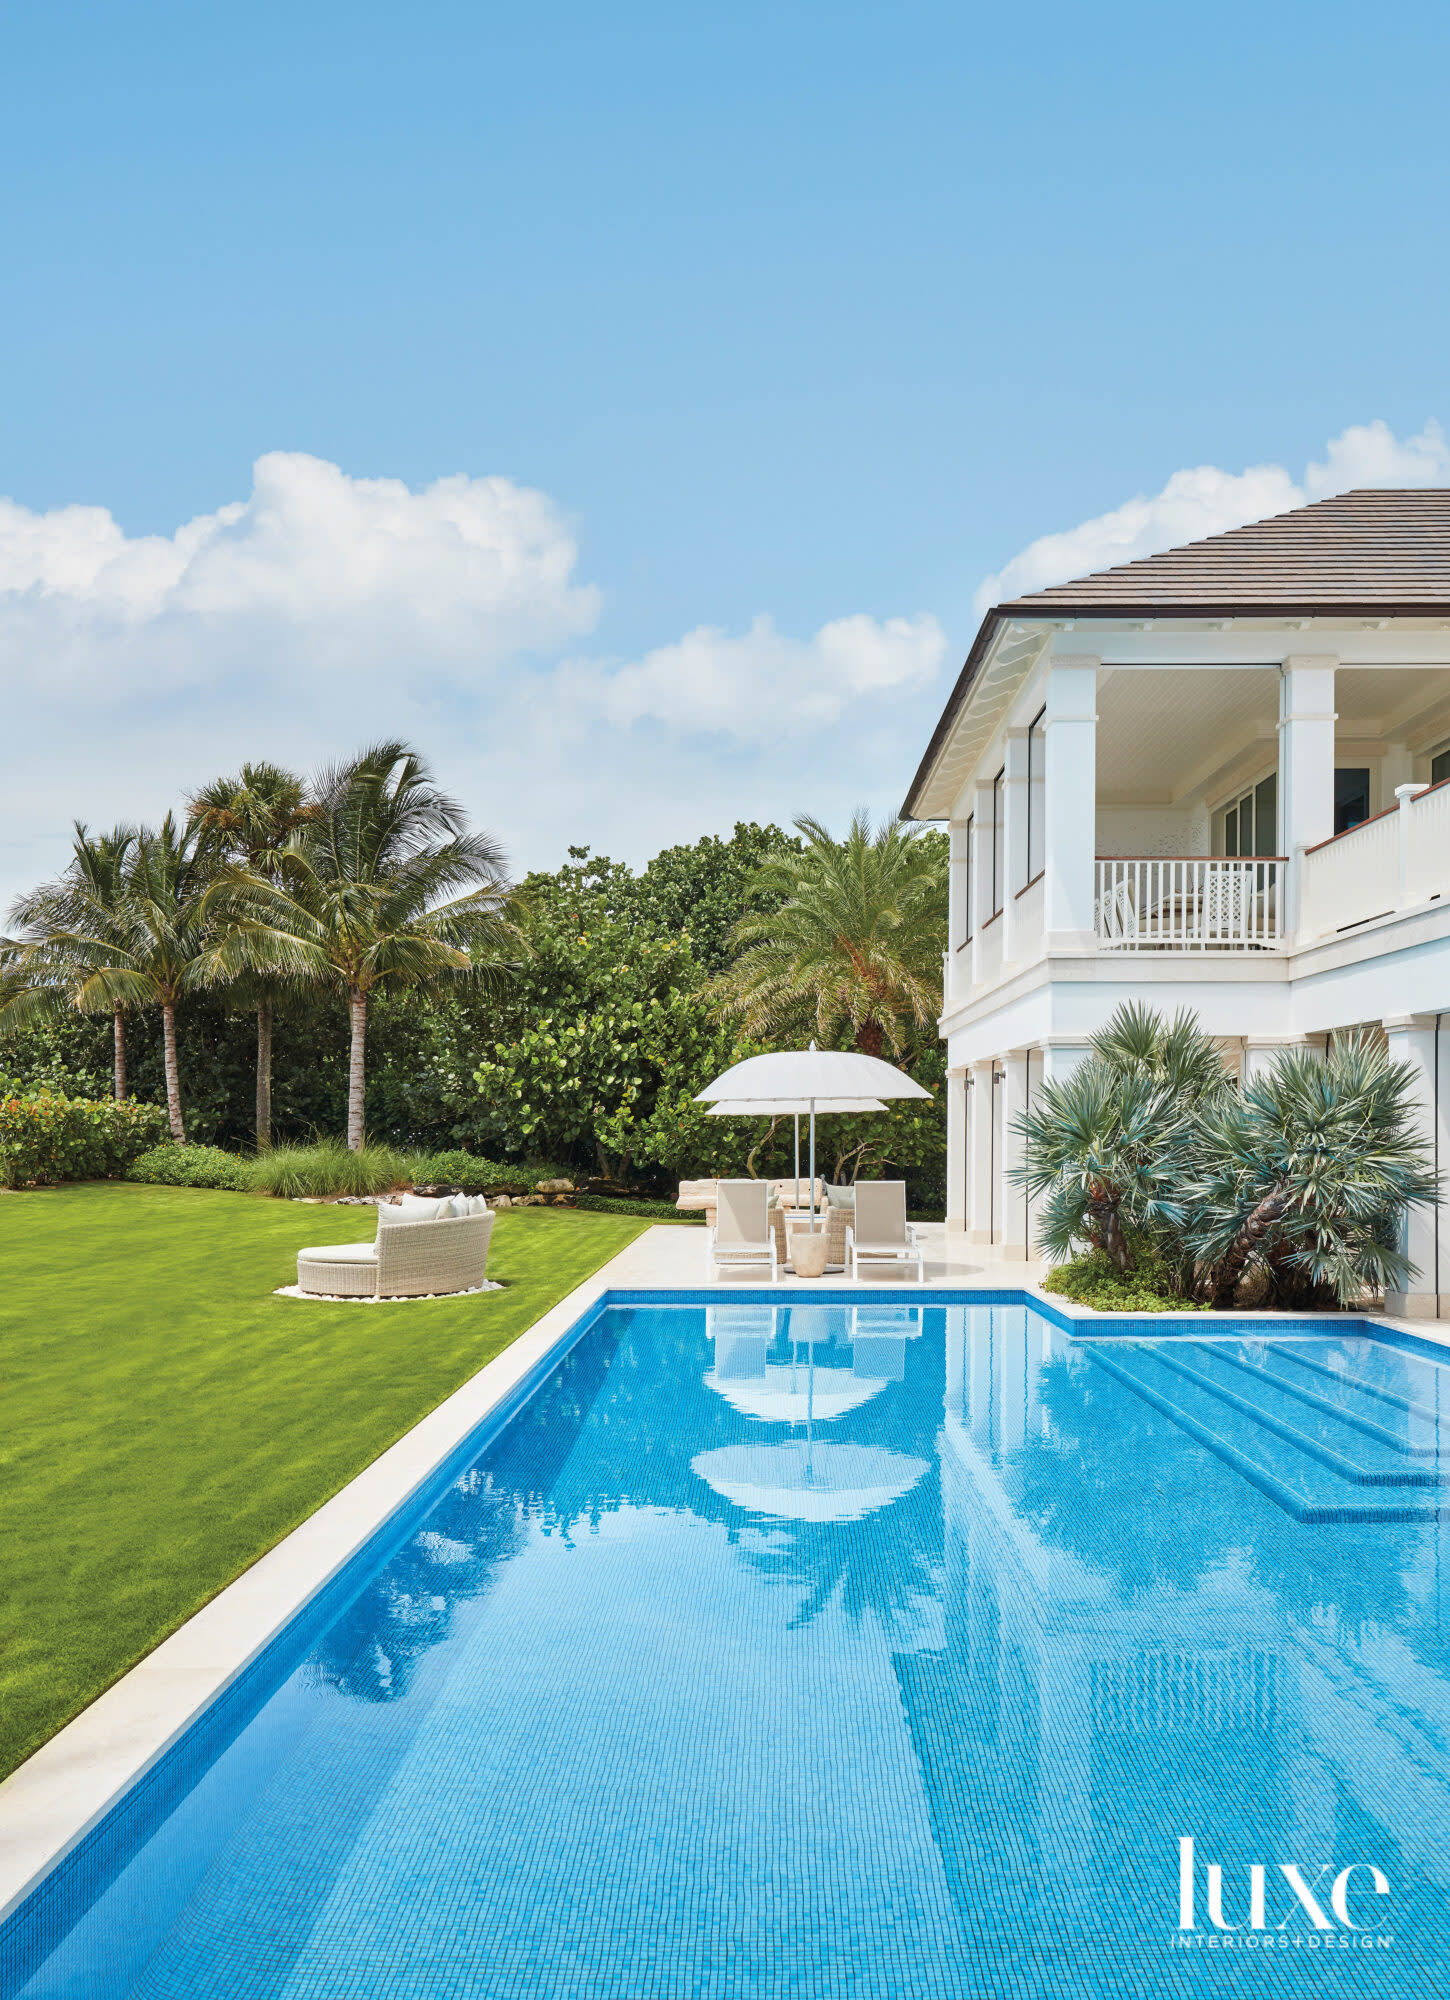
column 422, row 1248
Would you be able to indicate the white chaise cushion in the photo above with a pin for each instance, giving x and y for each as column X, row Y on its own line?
column 342, row 1253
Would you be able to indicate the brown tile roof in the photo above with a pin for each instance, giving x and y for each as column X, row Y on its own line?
column 1385, row 549
column 1375, row 552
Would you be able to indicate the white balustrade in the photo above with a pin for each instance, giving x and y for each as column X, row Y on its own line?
column 1188, row 903
column 1393, row 861
column 1427, row 844
column 1027, row 937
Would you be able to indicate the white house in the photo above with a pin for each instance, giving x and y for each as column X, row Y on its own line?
column 1217, row 778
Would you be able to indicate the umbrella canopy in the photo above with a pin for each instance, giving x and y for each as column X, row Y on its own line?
column 811, row 1073
column 795, row 1482
column 818, row 1076
column 799, row 1107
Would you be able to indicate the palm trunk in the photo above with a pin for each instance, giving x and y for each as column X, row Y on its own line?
column 264, row 1075
column 120, row 1034
column 358, row 1008
column 173, row 1075
column 1104, row 1219
column 1257, row 1223
column 869, row 1038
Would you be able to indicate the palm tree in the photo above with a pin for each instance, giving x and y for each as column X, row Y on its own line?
column 855, row 942
column 247, row 821
column 1111, row 1147
column 165, row 931
column 367, row 897
column 1308, row 1173
column 71, row 935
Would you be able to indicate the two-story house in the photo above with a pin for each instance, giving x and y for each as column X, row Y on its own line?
column 1217, row 778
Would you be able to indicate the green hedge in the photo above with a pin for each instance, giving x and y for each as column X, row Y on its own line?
column 474, row 1175
column 1095, row 1280
column 46, row 1139
column 192, row 1166
column 656, row 1211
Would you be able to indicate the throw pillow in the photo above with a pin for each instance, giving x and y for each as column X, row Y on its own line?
column 417, row 1208
column 841, row 1197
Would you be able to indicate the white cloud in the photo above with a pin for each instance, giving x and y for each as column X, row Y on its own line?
column 747, row 687
column 324, row 611
column 1203, row 501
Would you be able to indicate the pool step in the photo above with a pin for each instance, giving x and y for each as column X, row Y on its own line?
column 1270, row 1455
column 1344, row 1447
column 1413, row 1437
column 1297, row 1357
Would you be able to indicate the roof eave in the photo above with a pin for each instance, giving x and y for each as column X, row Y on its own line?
column 1035, row 610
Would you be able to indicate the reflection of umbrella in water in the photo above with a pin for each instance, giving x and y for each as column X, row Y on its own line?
column 787, row 1394
column 809, row 1482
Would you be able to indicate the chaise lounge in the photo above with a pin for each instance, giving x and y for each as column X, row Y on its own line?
column 423, row 1249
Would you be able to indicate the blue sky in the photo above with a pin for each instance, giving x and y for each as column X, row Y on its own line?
column 796, row 314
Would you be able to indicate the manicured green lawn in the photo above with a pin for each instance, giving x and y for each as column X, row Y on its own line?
column 164, row 1420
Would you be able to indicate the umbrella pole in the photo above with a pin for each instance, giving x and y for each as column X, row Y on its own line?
column 813, row 1164
column 797, row 1202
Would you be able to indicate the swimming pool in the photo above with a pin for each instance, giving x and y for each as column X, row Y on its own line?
column 861, row 1648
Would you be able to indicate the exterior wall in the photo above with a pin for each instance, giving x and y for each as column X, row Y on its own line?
column 1153, row 829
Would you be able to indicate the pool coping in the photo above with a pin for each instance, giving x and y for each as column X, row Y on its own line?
column 69, row 1786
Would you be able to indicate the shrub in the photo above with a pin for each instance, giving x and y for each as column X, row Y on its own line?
column 46, row 1139
column 326, row 1167
column 656, row 1211
column 191, row 1166
column 1096, row 1281
column 469, row 1172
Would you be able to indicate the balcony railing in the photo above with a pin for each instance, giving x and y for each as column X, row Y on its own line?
column 1388, row 863
column 1188, row 903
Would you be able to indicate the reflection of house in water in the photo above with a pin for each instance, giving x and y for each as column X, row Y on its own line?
column 1139, row 1645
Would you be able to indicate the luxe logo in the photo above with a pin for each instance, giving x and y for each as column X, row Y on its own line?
column 1304, row 1898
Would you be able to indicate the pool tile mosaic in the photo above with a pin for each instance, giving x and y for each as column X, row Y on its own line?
column 847, row 1649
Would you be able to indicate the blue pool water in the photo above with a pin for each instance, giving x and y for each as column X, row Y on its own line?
column 826, row 1650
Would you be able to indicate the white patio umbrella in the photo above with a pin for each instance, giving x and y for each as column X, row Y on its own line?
column 815, row 1076
column 797, row 1107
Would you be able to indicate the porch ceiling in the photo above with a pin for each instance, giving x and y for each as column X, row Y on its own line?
column 1166, row 736
column 1163, row 734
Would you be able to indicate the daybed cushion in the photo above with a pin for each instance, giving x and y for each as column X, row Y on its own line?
column 342, row 1253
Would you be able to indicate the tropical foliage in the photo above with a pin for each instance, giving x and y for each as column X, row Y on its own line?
column 852, row 948
column 45, row 1139
column 574, row 1038
column 1149, row 1157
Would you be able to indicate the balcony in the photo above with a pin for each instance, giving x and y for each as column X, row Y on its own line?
column 1188, row 903
column 1391, row 862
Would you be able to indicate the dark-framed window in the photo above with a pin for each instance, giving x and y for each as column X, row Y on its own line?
column 1440, row 767
column 1036, row 795
column 1351, row 797
column 999, row 837
column 967, row 908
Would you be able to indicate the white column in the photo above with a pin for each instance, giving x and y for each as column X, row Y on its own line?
column 981, row 867
column 958, row 972
column 1014, row 836
column 1425, row 1239
column 956, row 1150
column 979, row 1142
column 1306, row 763
column 1070, row 805
column 1012, row 1201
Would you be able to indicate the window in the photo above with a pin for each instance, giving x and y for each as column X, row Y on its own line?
column 970, row 838
column 1351, row 798
column 999, row 837
column 1440, row 766
column 1251, row 822
column 1036, row 795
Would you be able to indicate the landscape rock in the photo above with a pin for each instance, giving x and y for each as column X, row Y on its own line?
column 554, row 1187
